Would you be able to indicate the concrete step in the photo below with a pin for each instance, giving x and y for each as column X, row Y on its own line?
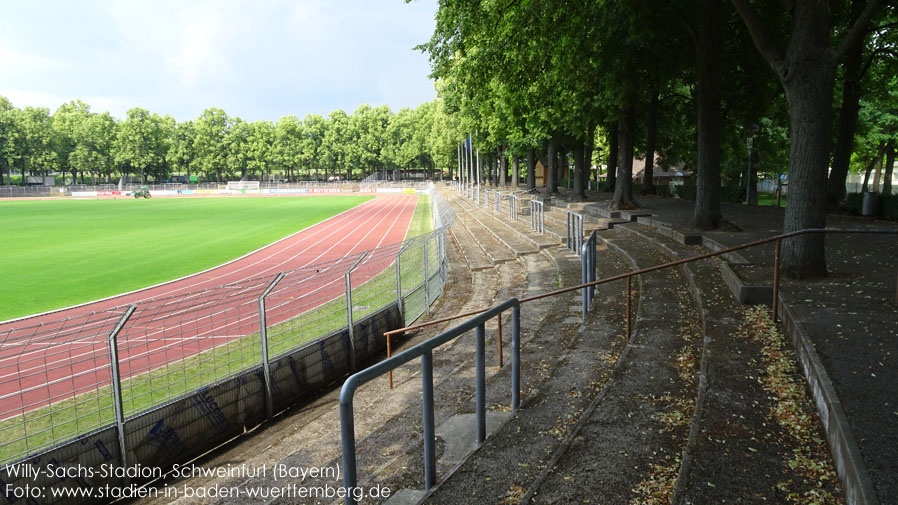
column 473, row 254
column 521, row 227
column 495, row 250
column 493, row 223
column 603, row 446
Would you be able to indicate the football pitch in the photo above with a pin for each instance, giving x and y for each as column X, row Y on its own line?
column 57, row 253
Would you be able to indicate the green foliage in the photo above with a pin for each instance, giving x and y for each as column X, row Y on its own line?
column 854, row 202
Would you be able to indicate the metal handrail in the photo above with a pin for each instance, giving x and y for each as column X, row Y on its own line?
column 425, row 349
column 776, row 238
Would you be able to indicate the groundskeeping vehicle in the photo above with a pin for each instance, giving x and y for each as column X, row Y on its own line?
column 143, row 192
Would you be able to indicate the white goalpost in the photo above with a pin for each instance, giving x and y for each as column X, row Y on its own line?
column 242, row 185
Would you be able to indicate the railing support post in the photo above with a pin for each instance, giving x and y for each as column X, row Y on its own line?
column 499, row 339
column 263, row 342
column 430, row 462
column 118, row 404
column 584, row 278
column 352, row 361
column 515, row 357
column 776, row 277
column 347, row 440
column 629, row 311
column 480, row 394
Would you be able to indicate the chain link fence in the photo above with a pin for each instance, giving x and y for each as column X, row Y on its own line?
column 62, row 381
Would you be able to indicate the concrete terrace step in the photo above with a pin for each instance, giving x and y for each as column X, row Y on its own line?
column 495, row 250
column 473, row 254
column 520, row 227
column 592, row 435
column 515, row 241
column 733, row 427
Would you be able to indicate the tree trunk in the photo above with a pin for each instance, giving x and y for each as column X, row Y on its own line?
column 752, row 193
column 587, row 156
column 579, row 169
column 503, row 167
column 623, row 190
column 531, row 169
column 808, row 82
column 706, row 215
column 648, row 175
column 551, row 185
column 880, row 150
column 877, row 174
column 563, row 166
column 515, row 168
column 611, row 174
column 851, row 105
column 890, row 164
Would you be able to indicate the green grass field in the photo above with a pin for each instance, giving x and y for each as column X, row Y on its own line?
column 770, row 199
column 57, row 253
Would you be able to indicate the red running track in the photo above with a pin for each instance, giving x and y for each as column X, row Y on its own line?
column 58, row 355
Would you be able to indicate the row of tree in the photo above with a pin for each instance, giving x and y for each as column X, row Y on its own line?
column 75, row 140
column 690, row 80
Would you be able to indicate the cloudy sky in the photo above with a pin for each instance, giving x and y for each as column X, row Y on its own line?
column 254, row 59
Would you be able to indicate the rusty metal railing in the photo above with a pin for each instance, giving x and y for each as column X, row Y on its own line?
column 425, row 349
column 777, row 239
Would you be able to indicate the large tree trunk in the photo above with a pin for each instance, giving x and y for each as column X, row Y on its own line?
column 531, row 169
column 503, row 167
column 587, row 155
column 623, row 190
column 648, row 175
column 890, row 164
column 806, row 70
column 515, row 168
column 706, row 214
column 810, row 107
column 611, row 174
column 551, row 185
column 579, row 169
column 851, row 105
column 752, row 189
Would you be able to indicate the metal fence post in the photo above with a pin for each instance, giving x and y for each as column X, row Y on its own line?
column 584, row 278
column 426, row 280
column 568, row 231
column 399, row 284
column 430, row 461
column 263, row 342
column 118, row 404
column 349, row 311
column 480, row 393
column 776, row 278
